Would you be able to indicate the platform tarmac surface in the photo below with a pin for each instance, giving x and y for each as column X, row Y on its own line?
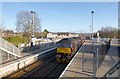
column 74, row 68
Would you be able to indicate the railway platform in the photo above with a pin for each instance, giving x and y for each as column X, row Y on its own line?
column 26, row 59
column 76, row 68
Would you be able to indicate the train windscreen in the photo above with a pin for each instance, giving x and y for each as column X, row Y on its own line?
column 67, row 45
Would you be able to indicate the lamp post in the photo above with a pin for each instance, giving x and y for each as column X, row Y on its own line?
column 33, row 15
column 32, row 39
column 94, row 66
column 92, row 24
column 90, row 31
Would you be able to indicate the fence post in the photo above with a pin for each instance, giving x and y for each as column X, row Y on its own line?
column 97, row 52
column 6, row 45
column 13, row 49
column 94, row 65
column 0, row 58
column 8, row 56
column 82, row 60
column 107, row 76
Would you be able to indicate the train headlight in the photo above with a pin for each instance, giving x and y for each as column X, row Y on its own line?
column 59, row 56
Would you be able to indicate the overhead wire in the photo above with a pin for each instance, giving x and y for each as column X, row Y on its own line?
column 104, row 8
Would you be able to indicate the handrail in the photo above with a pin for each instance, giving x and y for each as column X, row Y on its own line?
column 9, row 47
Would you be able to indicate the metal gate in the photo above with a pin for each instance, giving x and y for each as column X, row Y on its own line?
column 92, row 59
column 89, row 62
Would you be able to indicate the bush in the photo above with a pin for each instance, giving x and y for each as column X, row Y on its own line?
column 16, row 40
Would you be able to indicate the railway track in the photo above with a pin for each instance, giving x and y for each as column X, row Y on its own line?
column 51, row 69
column 55, row 72
column 43, row 70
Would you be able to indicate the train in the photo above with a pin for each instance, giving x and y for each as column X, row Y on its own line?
column 66, row 49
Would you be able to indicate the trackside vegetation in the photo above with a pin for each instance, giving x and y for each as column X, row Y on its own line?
column 16, row 40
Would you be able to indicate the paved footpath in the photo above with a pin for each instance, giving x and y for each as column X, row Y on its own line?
column 110, row 59
column 74, row 68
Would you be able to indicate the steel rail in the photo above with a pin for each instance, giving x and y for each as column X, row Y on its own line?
column 44, row 76
column 31, row 72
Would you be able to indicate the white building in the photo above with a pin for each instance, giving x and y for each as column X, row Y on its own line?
column 52, row 35
column 61, row 35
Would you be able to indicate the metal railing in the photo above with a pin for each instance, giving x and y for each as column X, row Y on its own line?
column 93, row 61
column 101, row 52
column 41, row 47
column 97, row 57
column 9, row 48
column 112, row 70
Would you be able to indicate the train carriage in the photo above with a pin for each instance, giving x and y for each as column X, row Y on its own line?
column 67, row 48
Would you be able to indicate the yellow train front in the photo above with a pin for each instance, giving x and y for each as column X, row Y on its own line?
column 66, row 49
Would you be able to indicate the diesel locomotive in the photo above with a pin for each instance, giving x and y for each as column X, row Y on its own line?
column 67, row 47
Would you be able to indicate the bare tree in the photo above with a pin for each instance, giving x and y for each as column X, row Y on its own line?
column 25, row 22
column 108, row 32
